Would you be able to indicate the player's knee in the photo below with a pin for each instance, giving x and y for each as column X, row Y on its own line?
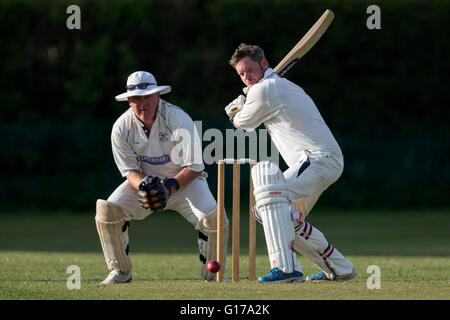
column 108, row 211
column 112, row 229
column 210, row 221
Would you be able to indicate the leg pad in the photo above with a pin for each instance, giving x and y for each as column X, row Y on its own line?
column 113, row 232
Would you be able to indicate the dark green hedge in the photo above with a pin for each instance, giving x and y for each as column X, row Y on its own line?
column 393, row 76
column 383, row 92
column 71, row 165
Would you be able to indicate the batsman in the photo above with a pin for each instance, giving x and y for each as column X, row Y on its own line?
column 284, row 199
column 157, row 149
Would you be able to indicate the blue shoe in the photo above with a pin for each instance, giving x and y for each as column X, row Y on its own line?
column 277, row 276
column 318, row 276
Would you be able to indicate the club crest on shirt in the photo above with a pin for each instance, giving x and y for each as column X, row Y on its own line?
column 163, row 136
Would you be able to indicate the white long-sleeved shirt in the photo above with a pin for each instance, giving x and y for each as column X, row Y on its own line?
column 290, row 116
column 173, row 143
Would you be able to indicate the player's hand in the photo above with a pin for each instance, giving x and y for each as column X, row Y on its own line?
column 171, row 185
column 154, row 193
column 151, row 194
column 234, row 107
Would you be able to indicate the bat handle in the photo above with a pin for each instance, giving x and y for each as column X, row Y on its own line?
column 287, row 67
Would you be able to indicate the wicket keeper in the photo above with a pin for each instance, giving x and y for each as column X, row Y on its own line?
column 156, row 148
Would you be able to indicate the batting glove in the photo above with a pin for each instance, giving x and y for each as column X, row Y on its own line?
column 235, row 106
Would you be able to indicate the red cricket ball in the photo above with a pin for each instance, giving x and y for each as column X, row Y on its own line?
column 213, row 266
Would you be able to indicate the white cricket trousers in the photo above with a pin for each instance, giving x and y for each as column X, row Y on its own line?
column 310, row 177
column 194, row 202
column 306, row 181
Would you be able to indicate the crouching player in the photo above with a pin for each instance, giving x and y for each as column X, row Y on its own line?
column 156, row 147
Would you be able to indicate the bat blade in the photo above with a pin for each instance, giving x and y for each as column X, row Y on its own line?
column 305, row 43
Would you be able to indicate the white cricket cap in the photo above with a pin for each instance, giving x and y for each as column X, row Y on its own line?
column 142, row 83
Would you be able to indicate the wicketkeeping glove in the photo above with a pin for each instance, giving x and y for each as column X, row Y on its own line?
column 152, row 192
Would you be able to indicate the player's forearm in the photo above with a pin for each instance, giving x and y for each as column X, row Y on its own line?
column 186, row 176
column 134, row 178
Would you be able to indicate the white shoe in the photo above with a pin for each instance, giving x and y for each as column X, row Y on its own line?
column 322, row 276
column 347, row 276
column 117, row 277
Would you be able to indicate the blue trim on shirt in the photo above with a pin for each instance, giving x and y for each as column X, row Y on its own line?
column 155, row 160
column 303, row 166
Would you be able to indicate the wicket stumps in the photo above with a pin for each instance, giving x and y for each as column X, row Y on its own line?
column 235, row 219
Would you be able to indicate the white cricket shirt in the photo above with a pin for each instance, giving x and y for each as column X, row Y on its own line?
column 173, row 143
column 290, row 116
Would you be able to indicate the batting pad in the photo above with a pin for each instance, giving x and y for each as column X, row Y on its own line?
column 111, row 227
column 312, row 244
column 207, row 244
column 271, row 199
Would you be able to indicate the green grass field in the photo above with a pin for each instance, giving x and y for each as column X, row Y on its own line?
column 412, row 250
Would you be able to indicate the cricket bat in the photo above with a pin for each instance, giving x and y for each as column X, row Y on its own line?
column 302, row 47
column 305, row 43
